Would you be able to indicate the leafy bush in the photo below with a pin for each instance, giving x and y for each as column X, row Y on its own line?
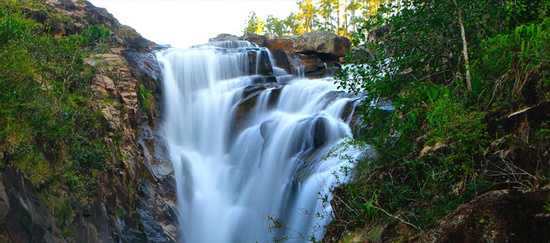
column 429, row 131
column 513, row 66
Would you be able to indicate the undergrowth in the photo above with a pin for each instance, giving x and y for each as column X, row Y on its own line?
column 434, row 137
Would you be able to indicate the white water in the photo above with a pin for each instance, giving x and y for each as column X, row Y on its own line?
column 232, row 177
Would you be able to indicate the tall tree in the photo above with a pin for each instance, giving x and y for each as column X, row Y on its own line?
column 254, row 24
column 293, row 25
column 326, row 8
column 307, row 14
column 353, row 7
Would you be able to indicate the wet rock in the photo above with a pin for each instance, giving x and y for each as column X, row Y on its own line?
column 274, row 96
column 259, row 63
column 312, row 63
column 263, row 79
column 319, row 132
column 251, row 94
column 243, row 108
column 282, row 60
column 258, row 88
column 251, row 89
column 349, row 110
column 315, row 67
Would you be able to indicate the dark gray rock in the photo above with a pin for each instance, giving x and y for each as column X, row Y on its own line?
column 23, row 215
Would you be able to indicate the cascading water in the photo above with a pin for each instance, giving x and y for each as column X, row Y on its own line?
column 239, row 160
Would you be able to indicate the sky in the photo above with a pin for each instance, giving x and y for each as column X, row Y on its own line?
column 183, row 23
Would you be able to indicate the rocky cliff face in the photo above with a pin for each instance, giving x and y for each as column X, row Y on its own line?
column 148, row 209
column 23, row 215
column 136, row 199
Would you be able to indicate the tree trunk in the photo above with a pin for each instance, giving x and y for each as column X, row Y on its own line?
column 464, row 48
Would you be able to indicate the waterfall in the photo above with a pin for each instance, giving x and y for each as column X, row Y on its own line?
column 244, row 151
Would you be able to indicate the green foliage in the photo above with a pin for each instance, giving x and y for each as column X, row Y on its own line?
column 50, row 127
column 336, row 16
column 145, row 98
column 254, row 24
column 15, row 28
column 275, row 26
column 96, row 34
column 428, row 130
column 307, row 15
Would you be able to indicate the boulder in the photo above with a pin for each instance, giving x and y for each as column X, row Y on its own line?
column 224, row 37
column 497, row 216
column 532, row 117
column 315, row 42
column 319, row 132
column 323, row 42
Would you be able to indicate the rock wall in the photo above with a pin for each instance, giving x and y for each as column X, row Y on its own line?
column 23, row 215
column 137, row 201
column 497, row 216
column 152, row 216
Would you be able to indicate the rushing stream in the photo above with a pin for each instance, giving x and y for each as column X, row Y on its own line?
column 239, row 160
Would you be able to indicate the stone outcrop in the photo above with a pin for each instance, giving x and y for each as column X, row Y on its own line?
column 529, row 118
column 316, row 54
column 224, row 37
column 497, row 216
column 259, row 63
column 87, row 15
column 321, row 43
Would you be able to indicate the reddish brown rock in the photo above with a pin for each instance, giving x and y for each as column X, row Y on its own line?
column 323, row 42
column 317, row 54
